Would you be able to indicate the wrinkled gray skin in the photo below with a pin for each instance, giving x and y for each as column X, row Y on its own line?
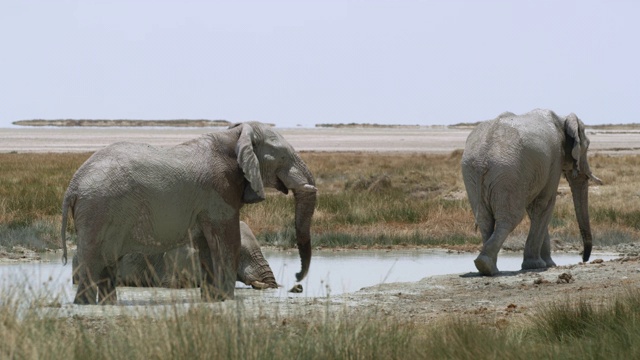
column 511, row 166
column 180, row 268
column 136, row 198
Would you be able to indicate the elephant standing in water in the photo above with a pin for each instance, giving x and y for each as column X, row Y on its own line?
column 180, row 268
column 136, row 198
column 512, row 165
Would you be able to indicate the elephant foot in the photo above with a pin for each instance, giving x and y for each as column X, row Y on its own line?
column 549, row 262
column 530, row 264
column 486, row 265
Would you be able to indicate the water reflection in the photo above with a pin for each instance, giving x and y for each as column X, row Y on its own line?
column 332, row 272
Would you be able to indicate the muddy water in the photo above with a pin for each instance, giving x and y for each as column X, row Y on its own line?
column 332, row 272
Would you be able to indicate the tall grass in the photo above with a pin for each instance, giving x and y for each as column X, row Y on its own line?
column 567, row 330
column 204, row 333
column 584, row 330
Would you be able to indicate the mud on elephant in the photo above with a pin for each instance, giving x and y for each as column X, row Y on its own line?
column 136, row 198
column 511, row 166
column 180, row 268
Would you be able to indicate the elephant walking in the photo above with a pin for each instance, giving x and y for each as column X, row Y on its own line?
column 136, row 198
column 180, row 268
column 512, row 165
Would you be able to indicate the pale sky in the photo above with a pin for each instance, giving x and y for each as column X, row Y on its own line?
column 307, row 62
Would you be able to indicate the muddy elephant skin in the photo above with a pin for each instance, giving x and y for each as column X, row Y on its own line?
column 137, row 198
column 180, row 268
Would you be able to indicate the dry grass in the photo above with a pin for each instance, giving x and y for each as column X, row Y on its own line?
column 31, row 191
column 32, row 185
column 364, row 200
column 566, row 330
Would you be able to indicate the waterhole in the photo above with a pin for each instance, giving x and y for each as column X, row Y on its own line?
column 331, row 272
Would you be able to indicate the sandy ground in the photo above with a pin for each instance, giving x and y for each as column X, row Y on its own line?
column 423, row 139
column 511, row 296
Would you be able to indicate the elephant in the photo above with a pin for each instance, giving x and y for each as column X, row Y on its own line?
column 512, row 165
column 180, row 267
column 136, row 198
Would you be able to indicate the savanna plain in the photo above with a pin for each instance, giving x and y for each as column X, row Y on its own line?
column 398, row 198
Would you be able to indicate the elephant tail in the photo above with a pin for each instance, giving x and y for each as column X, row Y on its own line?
column 482, row 209
column 67, row 203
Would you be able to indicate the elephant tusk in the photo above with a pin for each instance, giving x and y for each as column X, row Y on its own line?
column 309, row 188
column 595, row 179
column 259, row 285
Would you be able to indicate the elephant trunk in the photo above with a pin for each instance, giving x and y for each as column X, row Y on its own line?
column 299, row 179
column 305, row 206
column 580, row 192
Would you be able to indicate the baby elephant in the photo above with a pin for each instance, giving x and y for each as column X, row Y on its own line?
column 180, row 267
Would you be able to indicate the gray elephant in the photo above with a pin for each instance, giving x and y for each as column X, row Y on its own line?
column 136, row 198
column 180, row 268
column 512, row 165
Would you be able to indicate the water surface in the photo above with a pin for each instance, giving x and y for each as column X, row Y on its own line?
column 331, row 272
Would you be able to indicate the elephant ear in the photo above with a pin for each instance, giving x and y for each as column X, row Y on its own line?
column 248, row 161
column 575, row 130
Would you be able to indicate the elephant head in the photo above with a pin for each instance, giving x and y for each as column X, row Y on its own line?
column 268, row 160
column 578, row 173
column 253, row 268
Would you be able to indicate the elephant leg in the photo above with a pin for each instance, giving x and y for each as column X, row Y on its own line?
column 505, row 222
column 223, row 241
column 87, row 276
column 537, row 249
column 486, row 225
column 184, row 266
column 545, row 251
column 87, row 291
column 206, row 264
column 107, row 286
column 486, row 262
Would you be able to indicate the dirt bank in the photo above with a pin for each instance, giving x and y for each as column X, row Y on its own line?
column 507, row 297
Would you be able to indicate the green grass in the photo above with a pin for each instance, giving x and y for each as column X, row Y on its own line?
column 630, row 219
column 352, row 208
column 39, row 235
column 583, row 330
column 286, row 238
